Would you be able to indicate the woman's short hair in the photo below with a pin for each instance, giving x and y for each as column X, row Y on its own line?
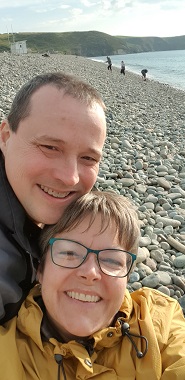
column 110, row 206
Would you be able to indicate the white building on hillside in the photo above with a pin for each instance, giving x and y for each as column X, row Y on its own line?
column 18, row 47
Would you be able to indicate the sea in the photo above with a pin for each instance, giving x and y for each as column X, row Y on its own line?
column 163, row 66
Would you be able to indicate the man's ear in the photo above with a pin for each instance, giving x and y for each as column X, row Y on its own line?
column 5, row 133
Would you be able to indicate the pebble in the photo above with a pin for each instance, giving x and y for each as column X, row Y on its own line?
column 143, row 158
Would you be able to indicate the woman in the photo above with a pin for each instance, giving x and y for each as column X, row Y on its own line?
column 81, row 322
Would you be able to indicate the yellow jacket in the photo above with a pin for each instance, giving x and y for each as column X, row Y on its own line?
column 112, row 356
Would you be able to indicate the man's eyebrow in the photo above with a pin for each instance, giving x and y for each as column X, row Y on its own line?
column 49, row 139
column 95, row 151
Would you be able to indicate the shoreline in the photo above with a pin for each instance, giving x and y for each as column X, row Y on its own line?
column 144, row 156
column 128, row 70
column 152, row 74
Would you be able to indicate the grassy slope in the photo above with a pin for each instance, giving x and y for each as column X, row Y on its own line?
column 92, row 43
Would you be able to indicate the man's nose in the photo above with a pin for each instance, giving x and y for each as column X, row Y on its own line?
column 67, row 171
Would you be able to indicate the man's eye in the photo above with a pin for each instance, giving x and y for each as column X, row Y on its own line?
column 48, row 147
column 88, row 158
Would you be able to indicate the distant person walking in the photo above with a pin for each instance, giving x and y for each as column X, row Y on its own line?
column 109, row 67
column 122, row 68
column 144, row 72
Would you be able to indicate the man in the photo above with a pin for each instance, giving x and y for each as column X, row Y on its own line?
column 109, row 67
column 144, row 72
column 51, row 145
column 122, row 67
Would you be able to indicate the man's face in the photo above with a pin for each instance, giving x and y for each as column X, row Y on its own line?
column 83, row 300
column 53, row 157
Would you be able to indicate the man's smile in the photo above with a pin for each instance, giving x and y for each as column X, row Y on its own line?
column 54, row 193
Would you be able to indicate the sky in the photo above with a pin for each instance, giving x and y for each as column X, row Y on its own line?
column 160, row 18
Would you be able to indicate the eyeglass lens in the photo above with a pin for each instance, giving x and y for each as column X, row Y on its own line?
column 69, row 254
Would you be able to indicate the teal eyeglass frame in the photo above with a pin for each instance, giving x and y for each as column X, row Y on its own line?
column 96, row 252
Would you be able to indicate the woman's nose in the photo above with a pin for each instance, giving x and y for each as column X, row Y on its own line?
column 90, row 269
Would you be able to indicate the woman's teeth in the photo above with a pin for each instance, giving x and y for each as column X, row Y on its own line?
column 83, row 297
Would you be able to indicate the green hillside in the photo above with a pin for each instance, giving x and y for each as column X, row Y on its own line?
column 91, row 44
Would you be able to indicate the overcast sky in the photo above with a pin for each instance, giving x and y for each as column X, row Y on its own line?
column 116, row 17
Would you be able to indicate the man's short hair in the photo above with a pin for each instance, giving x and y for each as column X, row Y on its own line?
column 70, row 85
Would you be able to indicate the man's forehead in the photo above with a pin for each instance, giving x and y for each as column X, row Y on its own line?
column 48, row 91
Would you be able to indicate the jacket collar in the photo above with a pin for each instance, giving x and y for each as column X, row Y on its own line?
column 44, row 331
column 13, row 216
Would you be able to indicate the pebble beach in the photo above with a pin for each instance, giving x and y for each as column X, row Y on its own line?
column 144, row 157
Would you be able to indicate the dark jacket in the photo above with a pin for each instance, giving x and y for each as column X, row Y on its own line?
column 18, row 250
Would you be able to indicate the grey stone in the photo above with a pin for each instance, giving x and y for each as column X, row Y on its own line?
column 168, row 221
column 134, row 277
column 164, row 183
column 179, row 262
column 179, row 282
column 164, row 278
column 164, row 290
column 151, row 280
column 144, row 241
column 136, row 285
column 182, row 302
column 157, row 255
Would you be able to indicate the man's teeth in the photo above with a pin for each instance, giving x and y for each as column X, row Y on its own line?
column 83, row 297
column 53, row 193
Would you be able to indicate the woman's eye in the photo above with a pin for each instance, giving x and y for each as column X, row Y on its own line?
column 68, row 255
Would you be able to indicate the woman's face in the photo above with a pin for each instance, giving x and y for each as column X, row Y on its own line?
column 83, row 300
